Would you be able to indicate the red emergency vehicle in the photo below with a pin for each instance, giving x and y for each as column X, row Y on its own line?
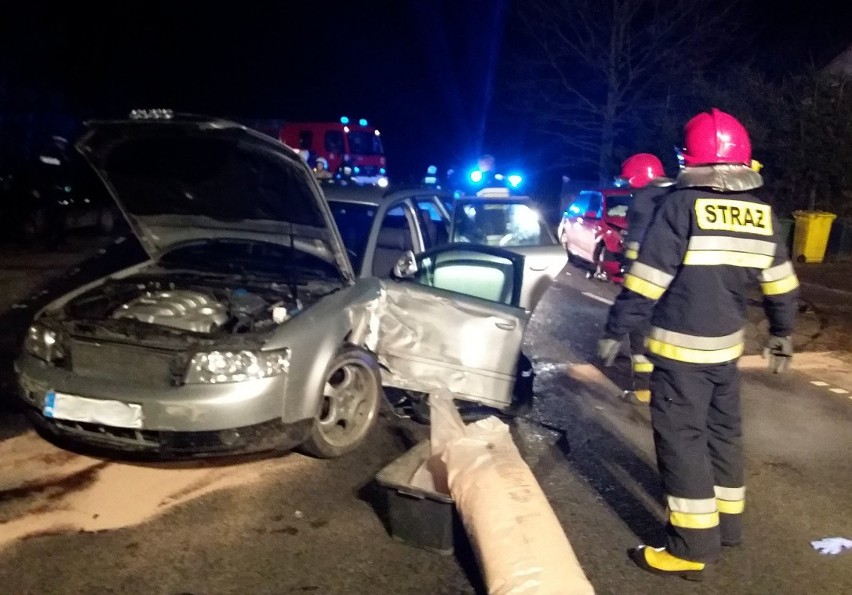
column 352, row 149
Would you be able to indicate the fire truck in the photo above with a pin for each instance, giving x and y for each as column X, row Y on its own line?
column 353, row 150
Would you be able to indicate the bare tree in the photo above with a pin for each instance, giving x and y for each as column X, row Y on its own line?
column 594, row 69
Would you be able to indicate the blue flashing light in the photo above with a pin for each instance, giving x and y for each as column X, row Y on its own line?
column 362, row 121
column 575, row 209
column 476, row 176
column 432, row 170
column 515, row 180
column 344, row 120
column 357, row 170
column 382, row 171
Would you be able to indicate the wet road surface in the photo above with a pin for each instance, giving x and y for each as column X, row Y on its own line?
column 74, row 524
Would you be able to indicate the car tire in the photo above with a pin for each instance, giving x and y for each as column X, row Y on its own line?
column 349, row 404
column 599, row 257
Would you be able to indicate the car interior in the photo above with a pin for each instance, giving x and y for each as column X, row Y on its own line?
column 394, row 239
column 478, row 275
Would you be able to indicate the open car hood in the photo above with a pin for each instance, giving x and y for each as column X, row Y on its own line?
column 182, row 179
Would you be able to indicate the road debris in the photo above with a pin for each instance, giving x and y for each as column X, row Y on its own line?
column 832, row 545
column 502, row 505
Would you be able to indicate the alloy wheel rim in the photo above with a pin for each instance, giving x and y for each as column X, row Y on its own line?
column 348, row 402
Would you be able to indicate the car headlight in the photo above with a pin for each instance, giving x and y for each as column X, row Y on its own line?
column 43, row 343
column 215, row 367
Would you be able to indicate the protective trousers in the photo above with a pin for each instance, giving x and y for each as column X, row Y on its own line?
column 695, row 414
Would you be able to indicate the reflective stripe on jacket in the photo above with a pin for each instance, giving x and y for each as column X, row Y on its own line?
column 702, row 252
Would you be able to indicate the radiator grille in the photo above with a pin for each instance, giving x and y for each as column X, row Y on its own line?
column 138, row 366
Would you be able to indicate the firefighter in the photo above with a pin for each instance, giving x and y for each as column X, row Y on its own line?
column 708, row 241
column 643, row 172
column 321, row 169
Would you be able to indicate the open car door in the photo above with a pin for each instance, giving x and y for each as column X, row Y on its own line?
column 451, row 317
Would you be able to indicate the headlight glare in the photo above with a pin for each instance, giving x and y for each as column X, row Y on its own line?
column 215, row 367
column 43, row 343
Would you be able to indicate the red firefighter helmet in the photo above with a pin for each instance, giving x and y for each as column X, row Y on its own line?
column 715, row 137
column 641, row 168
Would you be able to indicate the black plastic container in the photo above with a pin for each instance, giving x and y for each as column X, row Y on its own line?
column 418, row 517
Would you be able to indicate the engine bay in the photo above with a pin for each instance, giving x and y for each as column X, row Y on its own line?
column 191, row 304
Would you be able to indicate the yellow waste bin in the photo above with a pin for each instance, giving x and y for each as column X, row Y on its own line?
column 810, row 236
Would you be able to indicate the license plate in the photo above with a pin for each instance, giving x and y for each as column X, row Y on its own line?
column 109, row 413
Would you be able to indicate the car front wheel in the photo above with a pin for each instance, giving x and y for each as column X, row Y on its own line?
column 349, row 405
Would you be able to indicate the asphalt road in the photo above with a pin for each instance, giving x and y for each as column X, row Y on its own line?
column 74, row 524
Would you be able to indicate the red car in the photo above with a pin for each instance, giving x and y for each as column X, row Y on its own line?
column 593, row 229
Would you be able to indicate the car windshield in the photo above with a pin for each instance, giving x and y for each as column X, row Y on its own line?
column 250, row 258
column 499, row 223
column 617, row 205
column 354, row 222
column 365, row 143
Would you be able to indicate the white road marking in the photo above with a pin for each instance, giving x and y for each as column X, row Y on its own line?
column 839, row 391
column 819, row 383
column 597, row 297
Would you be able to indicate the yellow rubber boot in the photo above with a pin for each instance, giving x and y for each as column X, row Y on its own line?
column 643, row 395
column 637, row 397
column 659, row 561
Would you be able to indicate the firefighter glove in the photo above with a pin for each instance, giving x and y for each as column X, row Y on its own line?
column 779, row 352
column 608, row 350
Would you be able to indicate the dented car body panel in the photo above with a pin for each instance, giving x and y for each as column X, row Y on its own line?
column 432, row 339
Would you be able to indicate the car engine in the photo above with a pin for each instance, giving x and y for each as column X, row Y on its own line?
column 199, row 308
column 181, row 309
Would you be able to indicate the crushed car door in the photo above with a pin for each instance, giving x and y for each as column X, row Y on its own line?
column 453, row 320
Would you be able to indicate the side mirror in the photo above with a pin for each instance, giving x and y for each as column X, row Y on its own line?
column 590, row 215
column 406, row 266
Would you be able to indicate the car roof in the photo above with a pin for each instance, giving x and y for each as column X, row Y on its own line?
column 372, row 196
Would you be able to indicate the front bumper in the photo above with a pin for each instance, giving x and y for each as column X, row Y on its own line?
column 188, row 419
column 614, row 266
column 270, row 435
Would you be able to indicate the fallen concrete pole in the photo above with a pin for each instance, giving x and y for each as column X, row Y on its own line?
column 518, row 539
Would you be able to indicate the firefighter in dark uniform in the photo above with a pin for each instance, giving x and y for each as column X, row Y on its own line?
column 708, row 241
column 643, row 172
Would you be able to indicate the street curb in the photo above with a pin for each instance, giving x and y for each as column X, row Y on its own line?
column 812, row 285
column 807, row 360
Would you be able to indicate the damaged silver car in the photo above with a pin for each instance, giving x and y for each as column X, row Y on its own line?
column 247, row 328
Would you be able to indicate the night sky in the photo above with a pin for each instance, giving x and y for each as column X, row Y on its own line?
column 425, row 72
